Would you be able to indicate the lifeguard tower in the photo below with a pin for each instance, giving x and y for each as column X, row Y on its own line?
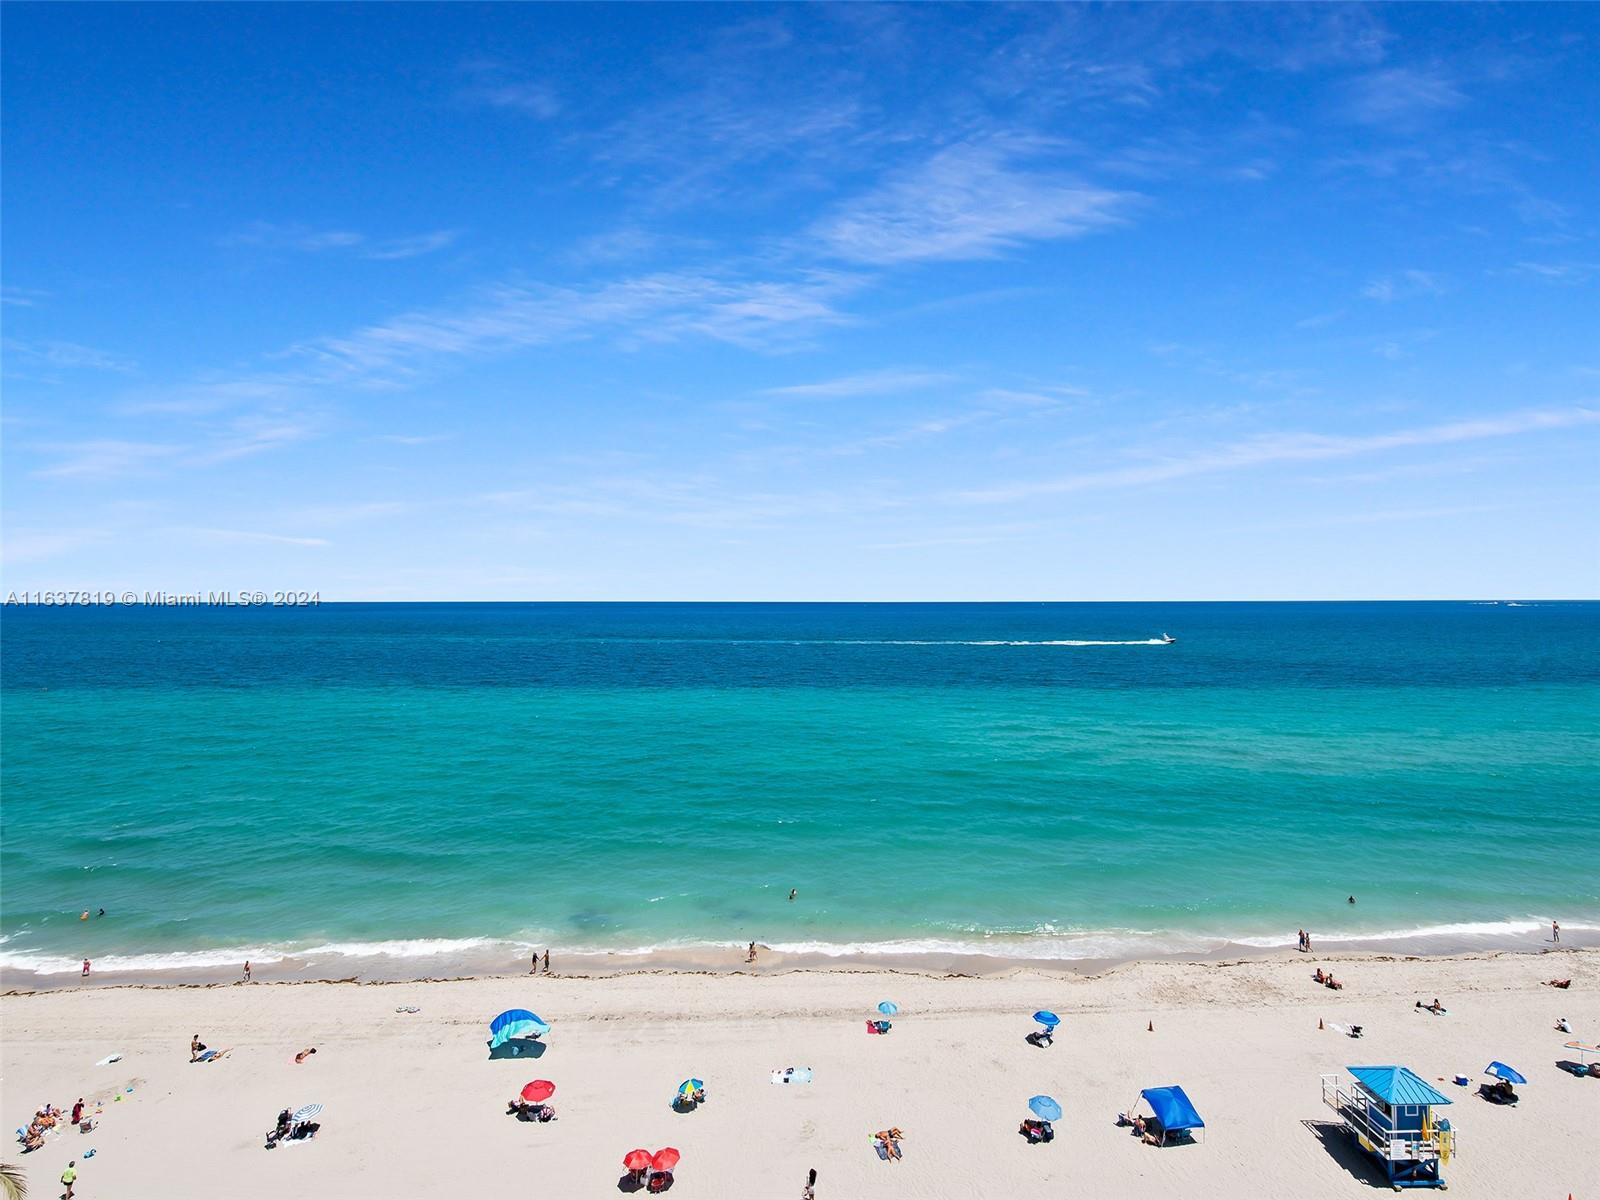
column 1389, row 1111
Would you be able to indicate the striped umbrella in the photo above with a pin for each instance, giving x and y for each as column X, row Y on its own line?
column 689, row 1087
column 305, row 1112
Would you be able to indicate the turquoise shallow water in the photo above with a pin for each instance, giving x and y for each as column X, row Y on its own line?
column 418, row 778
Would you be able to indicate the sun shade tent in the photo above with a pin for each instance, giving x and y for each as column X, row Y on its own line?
column 515, row 1023
column 1173, row 1109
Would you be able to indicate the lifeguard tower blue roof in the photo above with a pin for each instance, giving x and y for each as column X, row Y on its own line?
column 1173, row 1108
column 1397, row 1085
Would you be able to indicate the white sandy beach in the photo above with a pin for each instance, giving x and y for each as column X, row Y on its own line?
column 415, row 1106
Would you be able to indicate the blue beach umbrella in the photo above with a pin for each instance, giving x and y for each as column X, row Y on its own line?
column 888, row 1008
column 1047, row 1018
column 1045, row 1108
column 690, row 1086
column 515, row 1023
column 1500, row 1071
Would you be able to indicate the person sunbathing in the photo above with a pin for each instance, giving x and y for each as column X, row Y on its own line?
column 1435, row 1008
column 1333, row 983
column 1319, row 977
column 305, row 1054
column 1562, row 1026
column 1037, row 1131
column 1559, row 983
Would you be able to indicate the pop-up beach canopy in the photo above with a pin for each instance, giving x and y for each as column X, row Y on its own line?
column 1174, row 1111
column 515, row 1023
column 1397, row 1085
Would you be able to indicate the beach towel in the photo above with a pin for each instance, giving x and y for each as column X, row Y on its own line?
column 108, row 1060
column 792, row 1075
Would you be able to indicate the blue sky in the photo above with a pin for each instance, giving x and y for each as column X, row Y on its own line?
column 737, row 302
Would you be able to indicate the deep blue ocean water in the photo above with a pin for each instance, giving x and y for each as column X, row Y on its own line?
column 1033, row 779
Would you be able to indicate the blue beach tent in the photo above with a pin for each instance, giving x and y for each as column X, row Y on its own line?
column 515, row 1023
column 1174, row 1111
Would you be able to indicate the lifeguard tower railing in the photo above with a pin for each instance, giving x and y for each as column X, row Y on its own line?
column 1354, row 1105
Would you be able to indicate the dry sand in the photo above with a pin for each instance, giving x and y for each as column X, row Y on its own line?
column 415, row 1105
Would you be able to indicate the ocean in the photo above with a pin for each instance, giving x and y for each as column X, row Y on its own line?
column 352, row 783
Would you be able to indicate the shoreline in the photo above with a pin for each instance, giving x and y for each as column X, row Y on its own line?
column 380, row 969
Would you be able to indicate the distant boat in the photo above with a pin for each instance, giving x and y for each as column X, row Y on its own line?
column 1166, row 639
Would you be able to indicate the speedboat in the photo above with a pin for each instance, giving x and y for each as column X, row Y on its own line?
column 1167, row 639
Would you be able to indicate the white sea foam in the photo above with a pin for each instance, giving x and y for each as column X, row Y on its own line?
column 1043, row 943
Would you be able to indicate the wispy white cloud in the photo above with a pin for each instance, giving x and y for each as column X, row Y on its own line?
column 866, row 383
column 968, row 201
column 498, row 85
column 1399, row 96
column 1559, row 272
column 536, row 99
column 1404, row 285
column 249, row 536
column 1271, row 449
column 1320, row 320
column 104, row 457
column 412, row 247
column 412, row 439
column 34, row 545
column 758, row 314
column 264, row 235
column 67, row 356
column 21, row 297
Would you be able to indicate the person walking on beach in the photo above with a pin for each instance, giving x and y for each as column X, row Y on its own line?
column 86, row 968
column 750, row 955
column 247, row 970
column 1300, row 944
column 68, row 1178
column 547, row 960
column 533, row 964
column 1555, row 932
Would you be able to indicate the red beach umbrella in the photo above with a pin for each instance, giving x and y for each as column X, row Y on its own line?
column 664, row 1160
column 538, row 1091
column 637, row 1160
